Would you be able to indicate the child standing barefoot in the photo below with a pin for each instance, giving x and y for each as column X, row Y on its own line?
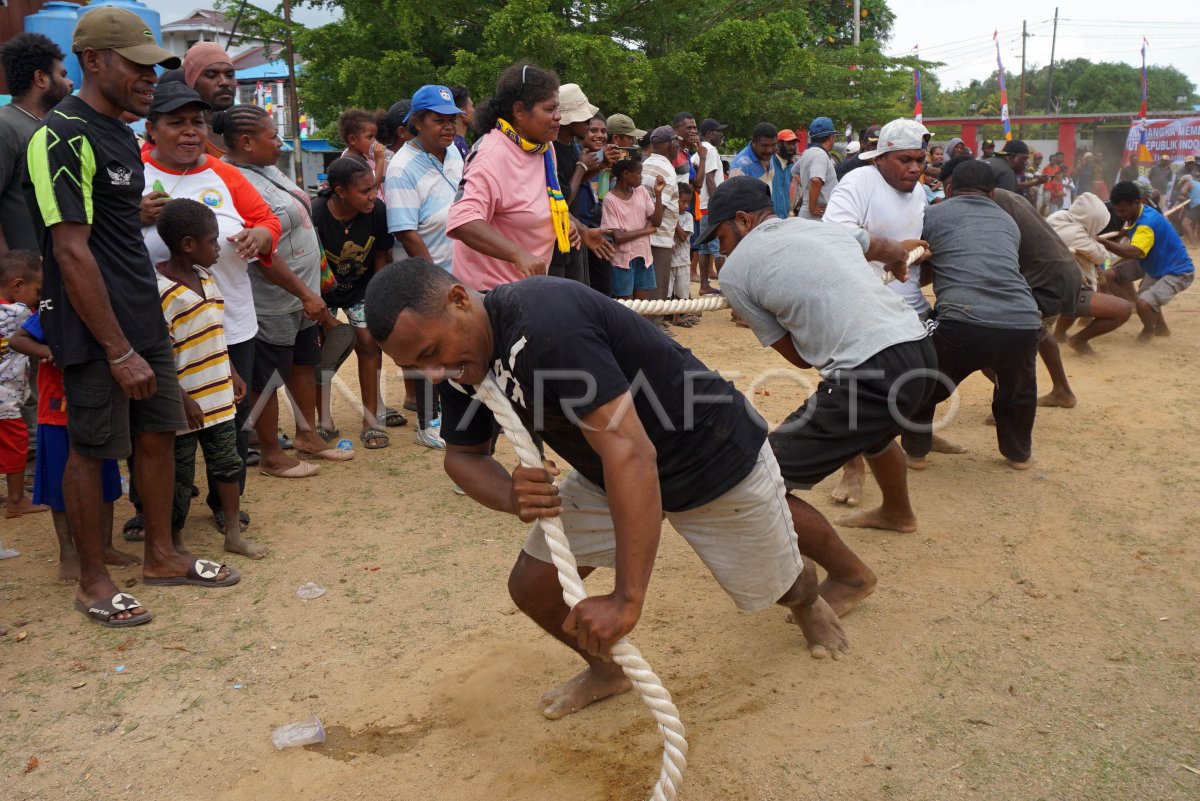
column 194, row 311
column 630, row 216
column 53, row 447
column 20, row 289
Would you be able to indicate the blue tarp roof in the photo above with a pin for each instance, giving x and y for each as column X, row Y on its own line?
column 272, row 70
column 318, row 146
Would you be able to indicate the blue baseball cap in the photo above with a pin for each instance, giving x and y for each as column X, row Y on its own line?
column 433, row 98
column 820, row 128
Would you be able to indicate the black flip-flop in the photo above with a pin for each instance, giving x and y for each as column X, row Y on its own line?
column 335, row 348
column 369, row 434
column 393, row 418
column 103, row 612
column 202, row 573
column 138, row 523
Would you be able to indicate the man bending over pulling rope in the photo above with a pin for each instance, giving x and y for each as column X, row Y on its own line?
column 807, row 291
column 574, row 364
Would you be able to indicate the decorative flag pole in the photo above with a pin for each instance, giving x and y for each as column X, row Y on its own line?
column 1003, row 91
column 1143, row 153
column 917, row 84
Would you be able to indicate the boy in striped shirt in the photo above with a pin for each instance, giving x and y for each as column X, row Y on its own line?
column 211, row 388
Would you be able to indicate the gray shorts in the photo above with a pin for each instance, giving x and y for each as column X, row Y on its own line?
column 745, row 537
column 101, row 419
column 1157, row 292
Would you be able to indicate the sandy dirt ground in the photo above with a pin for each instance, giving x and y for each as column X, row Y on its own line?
column 1036, row 638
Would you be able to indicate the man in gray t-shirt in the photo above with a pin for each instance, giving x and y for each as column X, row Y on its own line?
column 814, row 176
column 987, row 318
column 806, row 290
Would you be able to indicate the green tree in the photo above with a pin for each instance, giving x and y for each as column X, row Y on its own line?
column 738, row 60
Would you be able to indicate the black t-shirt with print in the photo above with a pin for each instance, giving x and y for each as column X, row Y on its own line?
column 350, row 250
column 85, row 168
column 577, row 350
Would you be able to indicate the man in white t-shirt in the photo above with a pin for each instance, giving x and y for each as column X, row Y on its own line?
column 885, row 199
column 707, row 258
column 664, row 146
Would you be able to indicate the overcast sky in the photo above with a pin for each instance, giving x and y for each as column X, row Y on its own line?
column 1100, row 30
column 961, row 36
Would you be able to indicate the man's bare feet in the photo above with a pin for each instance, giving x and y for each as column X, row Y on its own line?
column 68, row 569
column 1145, row 337
column 1025, row 465
column 878, row 518
column 943, row 445
column 916, row 462
column 821, row 629
column 1080, row 346
column 586, row 687
column 236, row 543
column 1161, row 330
column 25, row 506
column 119, row 558
column 843, row 596
column 1062, row 400
column 849, row 490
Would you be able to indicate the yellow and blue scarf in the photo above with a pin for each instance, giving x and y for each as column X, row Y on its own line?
column 560, row 215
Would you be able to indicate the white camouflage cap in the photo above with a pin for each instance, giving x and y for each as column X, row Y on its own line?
column 899, row 134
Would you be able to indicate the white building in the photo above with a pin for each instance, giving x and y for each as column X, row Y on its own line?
column 207, row 25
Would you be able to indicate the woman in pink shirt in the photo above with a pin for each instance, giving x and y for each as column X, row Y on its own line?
column 511, row 214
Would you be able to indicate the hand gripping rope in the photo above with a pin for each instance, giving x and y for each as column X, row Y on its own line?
column 624, row 653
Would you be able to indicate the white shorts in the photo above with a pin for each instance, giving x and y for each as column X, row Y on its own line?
column 745, row 537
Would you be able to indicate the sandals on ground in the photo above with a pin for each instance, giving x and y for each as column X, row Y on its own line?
column 370, row 435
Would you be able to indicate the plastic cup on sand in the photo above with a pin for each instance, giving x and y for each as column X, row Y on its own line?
column 304, row 732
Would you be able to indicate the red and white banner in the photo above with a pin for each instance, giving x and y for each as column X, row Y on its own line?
column 1176, row 138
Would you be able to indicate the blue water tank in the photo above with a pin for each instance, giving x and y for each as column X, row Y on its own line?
column 57, row 21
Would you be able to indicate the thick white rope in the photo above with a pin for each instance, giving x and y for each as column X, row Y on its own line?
column 624, row 653
column 677, row 306
column 913, row 255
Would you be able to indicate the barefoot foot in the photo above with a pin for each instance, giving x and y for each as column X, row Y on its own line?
column 849, row 491
column 1145, row 337
column 1063, row 400
column 25, row 506
column 942, row 445
column 1081, row 346
column 821, row 630
column 843, row 596
column 916, row 462
column 586, row 687
column 878, row 518
column 68, row 570
column 1015, row 465
column 119, row 558
column 240, row 545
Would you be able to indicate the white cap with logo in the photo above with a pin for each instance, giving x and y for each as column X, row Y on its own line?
column 899, row 134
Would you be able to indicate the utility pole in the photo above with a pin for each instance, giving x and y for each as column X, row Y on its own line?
column 293, row 108
column 1050, row 78
column 857, row 20
column 1021, row 100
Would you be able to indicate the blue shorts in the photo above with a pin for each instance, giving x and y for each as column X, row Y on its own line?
column 639, row 276
column 710, row 248
column 53, row 448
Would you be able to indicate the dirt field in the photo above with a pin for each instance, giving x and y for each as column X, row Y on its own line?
column 1035, row 639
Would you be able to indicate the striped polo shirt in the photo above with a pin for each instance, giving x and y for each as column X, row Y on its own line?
column 198, row 339
column 418, row 191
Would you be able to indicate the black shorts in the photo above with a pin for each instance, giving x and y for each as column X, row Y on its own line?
column 101, row 419
column 857, row 411
column 273, row 363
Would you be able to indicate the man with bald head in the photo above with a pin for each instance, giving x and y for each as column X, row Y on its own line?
column 208, row 69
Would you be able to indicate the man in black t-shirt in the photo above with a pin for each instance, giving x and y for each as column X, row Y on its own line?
column 574, row 364
column 101, row 312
